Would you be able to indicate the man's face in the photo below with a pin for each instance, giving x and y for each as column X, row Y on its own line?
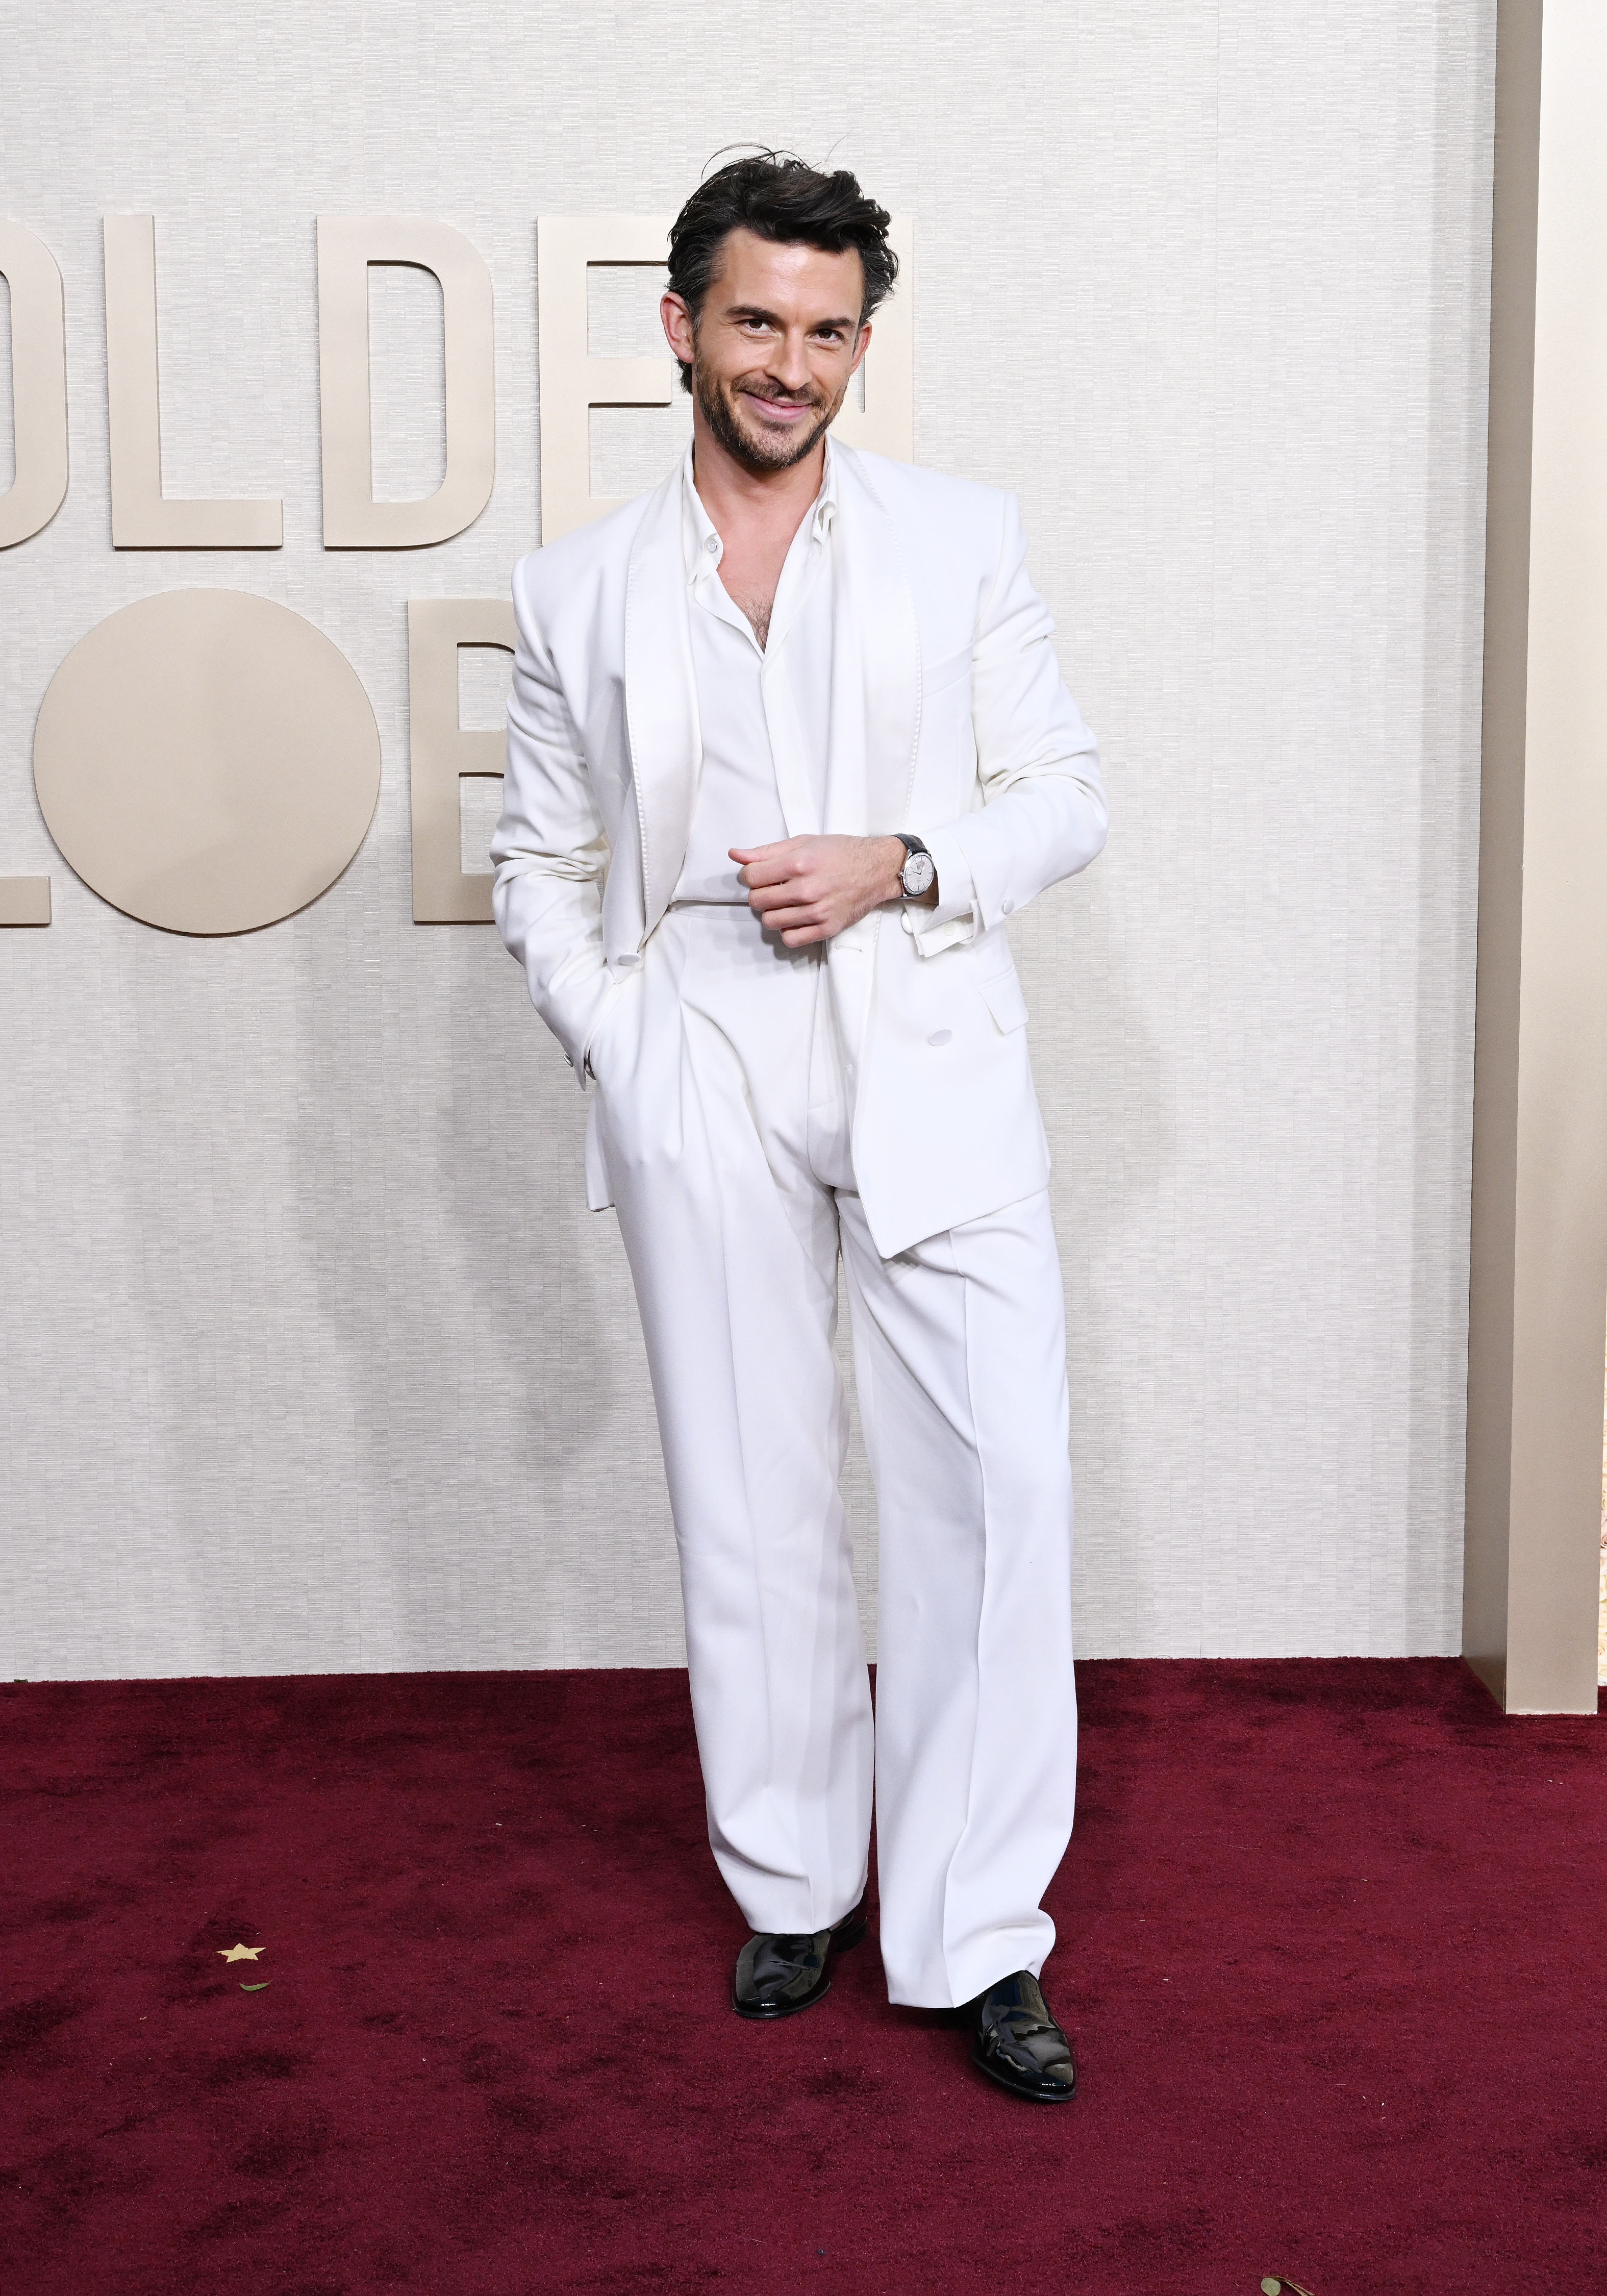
column 776, row 342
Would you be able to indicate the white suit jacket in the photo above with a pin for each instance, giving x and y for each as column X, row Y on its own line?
column 949, row 717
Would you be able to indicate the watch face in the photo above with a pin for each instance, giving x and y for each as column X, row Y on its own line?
column 917, row 873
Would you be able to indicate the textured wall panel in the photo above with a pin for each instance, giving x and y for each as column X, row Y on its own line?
column 312, row 1357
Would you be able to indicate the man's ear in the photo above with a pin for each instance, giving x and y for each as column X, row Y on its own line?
column 861, row 346
column 677, row 326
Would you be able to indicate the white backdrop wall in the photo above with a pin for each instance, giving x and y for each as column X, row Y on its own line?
column 312, row 1358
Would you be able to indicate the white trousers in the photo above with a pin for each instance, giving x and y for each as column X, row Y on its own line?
column 724, row 1120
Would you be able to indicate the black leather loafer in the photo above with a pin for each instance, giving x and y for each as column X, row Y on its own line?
column 778, row 1976
column 1017, row 2043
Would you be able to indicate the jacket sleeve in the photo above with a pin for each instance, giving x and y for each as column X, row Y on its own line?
column 1043, row 815
column 550, row 850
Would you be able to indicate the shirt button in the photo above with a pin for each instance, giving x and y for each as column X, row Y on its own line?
column 1007, row 908
column 941, row 1036
column 712, row 545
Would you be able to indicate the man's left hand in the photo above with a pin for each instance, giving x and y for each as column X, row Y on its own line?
column 808, row 889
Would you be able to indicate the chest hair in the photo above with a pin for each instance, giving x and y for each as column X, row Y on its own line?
column 757, row 612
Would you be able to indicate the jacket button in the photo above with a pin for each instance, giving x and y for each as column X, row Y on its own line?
column 941, row 1036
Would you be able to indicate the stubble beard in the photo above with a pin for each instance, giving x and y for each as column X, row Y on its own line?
column 758, row 453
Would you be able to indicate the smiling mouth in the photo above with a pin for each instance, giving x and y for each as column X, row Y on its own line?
column 778, row 410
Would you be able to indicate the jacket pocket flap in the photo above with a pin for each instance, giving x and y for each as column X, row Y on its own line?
column 1004, row 999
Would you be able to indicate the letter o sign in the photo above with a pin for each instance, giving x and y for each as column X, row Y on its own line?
column 207, row 762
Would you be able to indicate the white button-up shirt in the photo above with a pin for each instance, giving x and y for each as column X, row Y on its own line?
column 764, row 710
column 764, row 714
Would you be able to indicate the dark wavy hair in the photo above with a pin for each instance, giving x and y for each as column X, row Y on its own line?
column 777, row 196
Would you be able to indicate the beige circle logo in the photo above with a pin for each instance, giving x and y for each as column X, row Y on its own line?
column 208, row 761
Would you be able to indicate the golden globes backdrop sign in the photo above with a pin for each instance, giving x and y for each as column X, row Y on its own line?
column 207, row 761
column 313, row 1360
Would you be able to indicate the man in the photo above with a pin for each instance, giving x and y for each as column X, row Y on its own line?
column 787, row 745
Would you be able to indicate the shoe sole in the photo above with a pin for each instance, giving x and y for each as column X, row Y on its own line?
column 843, row 1944
column 1027, row 2095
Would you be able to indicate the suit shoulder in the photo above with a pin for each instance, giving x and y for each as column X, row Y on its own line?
column 910, row 488
column 575, row 562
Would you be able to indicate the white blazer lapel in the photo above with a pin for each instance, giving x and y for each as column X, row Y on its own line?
column 661, row 697
column 875, row 665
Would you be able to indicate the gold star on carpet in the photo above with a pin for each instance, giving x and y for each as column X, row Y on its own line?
column 241, row 1952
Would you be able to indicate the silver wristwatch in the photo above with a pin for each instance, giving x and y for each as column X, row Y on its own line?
column 920, row 870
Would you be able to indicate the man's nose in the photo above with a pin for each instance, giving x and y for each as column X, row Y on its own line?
column 792, row 361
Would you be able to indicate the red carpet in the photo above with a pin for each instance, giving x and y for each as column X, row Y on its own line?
column 1333, row 1944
